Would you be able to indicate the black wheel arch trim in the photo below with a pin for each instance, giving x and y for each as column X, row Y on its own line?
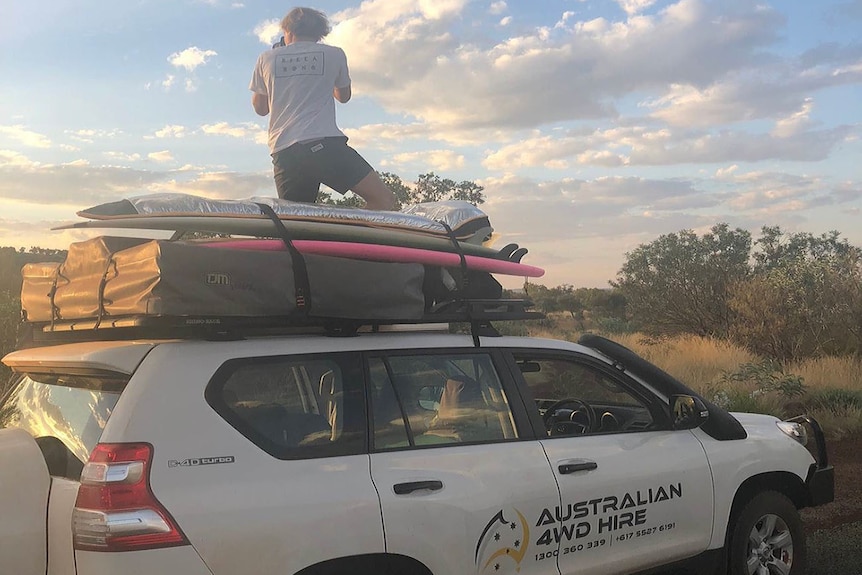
column 720, row 425
column 368, row 564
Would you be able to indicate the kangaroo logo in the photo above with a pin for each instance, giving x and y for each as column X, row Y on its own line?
column 502, row 543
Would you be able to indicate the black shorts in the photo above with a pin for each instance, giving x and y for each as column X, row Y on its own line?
column 301, row 168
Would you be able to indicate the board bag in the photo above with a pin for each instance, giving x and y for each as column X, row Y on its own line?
column 111, row 277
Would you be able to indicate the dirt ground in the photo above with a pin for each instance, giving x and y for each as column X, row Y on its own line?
column 846, row 457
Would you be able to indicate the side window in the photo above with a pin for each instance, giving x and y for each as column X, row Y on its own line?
column 579, row 399
column 294, row 407
column 420, row 400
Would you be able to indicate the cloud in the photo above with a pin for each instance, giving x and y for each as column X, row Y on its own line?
column 633, row 7
column 244, row 131
column 249, row 131
column 738, row 146
column 658, row 146
column 498, row 7
column 26, row 137
column 771, row 91
column 393, row 136
column 268, row 31
column 89, row 136
column 774, row 192
column 168, row 82
column 191, row 58
column 603, row 59
column 163, row 156
column 11, row 158
column 506, row 21
column 228, row 185
column 72, row 184
column 122, row 156
column 796, row 122
column 80, row 184
column 169, row 131
column 425, row 160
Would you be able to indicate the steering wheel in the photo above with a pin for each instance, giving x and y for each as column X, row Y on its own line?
column 551, row 420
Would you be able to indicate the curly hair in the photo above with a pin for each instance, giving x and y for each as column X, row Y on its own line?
column 306, row 23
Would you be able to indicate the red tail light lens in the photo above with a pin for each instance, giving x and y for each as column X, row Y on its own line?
column 116, row 509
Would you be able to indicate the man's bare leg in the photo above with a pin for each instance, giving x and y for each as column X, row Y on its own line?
column 375, row 193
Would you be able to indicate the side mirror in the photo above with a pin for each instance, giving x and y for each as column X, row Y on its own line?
column 529, row 366
column 688, row 412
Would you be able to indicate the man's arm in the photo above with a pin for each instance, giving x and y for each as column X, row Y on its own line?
column 260, row 103
column 342, row 94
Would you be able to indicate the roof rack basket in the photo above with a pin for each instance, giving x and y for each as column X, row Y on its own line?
column 479, row 313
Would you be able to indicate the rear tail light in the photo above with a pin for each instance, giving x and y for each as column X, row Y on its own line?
column 116, row 509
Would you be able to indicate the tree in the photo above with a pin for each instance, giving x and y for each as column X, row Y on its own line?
column 777, row 250
column 680, row 282
column 427, row 188
column 10, row 313
column 804, row 299
column 403, row 194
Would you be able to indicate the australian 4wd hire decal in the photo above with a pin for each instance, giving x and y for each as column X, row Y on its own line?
column 574, row 527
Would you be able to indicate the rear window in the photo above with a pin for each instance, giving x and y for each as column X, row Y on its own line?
column 295, row 407
column 70, row 408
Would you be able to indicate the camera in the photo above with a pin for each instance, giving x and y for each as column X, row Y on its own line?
column 280, row 43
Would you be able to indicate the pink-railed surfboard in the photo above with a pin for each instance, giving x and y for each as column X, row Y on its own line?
column 384, row 253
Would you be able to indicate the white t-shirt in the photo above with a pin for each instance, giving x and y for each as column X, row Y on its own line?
column 298, row 80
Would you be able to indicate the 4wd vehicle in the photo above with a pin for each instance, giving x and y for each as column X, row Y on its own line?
column 408, row 452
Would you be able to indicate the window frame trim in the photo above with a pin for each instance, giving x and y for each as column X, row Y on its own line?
column 216, row 383
column 657, row 408
column 520, row 417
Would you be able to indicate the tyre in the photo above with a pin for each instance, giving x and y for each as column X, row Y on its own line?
column 767, row 538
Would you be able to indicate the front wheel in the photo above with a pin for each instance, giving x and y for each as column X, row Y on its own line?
column 767, row 538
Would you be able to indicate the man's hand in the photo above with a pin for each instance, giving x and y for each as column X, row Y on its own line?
column 260, row 103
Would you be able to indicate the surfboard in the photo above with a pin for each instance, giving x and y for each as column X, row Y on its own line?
column 384, row 253
column 300, row 230
column 441, row 219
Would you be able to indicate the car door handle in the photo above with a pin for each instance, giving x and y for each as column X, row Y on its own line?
column 575, row 466
column 405, row 488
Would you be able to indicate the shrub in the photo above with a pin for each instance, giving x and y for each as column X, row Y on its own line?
column 766, row 377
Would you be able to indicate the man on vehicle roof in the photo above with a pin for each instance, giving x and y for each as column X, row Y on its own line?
column 297, row 83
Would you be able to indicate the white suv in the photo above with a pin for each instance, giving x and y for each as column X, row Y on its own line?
column 411, row 452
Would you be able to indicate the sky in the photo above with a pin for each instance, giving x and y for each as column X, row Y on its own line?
column 594, row 126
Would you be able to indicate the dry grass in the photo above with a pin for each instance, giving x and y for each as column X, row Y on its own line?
column 833, row 385
column 830, row 372
column 696, row 361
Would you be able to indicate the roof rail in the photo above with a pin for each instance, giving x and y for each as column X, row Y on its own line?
column 478, row 313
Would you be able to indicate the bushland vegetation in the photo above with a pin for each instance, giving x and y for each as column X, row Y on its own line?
column 786, row 297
